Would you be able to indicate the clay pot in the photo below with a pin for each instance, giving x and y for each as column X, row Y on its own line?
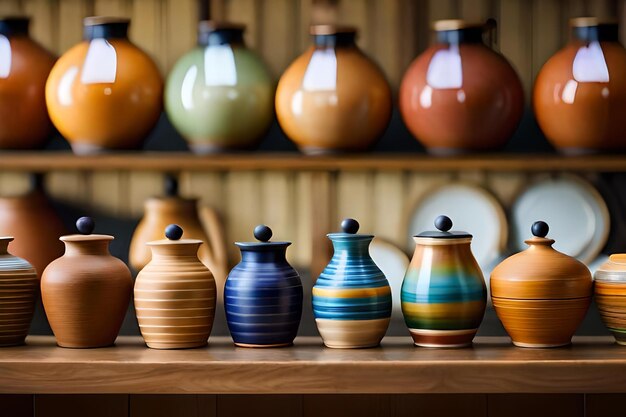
column 333, row 97
column 86, row 292
column 610, row 295
column 443, row 294
column 220, row 95
column 263, row 294
column 19, row 289
column 460, row 95
column 175, row 294
column 104, row 93
column 541, row 295
column 24, row 69
column 352, row 297
column 580, row 93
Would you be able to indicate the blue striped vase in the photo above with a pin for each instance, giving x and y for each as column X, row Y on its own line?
column 351, row 298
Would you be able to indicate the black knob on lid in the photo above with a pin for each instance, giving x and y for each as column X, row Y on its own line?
column 85, row 225
column 540, row 229
column 350, row 226
column 443, row 223
column 173, row 232
column 262, row 233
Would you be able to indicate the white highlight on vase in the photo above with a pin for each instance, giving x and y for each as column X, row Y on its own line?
column 100, row 63
column 5, row 56
column 569, row 92
column 186, row 89
column 445, row 69
column 219, row 66
column 64, row 92
column 321, row 73
column 589, row 64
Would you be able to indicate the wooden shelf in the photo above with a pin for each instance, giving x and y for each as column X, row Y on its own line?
column 185, row 161
column 493, row 365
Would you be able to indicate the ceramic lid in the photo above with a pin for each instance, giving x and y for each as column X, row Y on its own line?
column 349, row 229
column 613, row 270
column 263, row 234
column 540, row 272
column 455, row 24
column 9, row 262
column 85, row 226
column 443, row 225
column 173, row 234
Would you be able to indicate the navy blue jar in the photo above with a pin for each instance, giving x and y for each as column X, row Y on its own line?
column 263, row 294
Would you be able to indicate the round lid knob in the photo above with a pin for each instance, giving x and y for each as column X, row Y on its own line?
column 349, row 226
column 173, row 232
column 540, row 229
column 443, row 223
column 262, row 233
column 85, row 225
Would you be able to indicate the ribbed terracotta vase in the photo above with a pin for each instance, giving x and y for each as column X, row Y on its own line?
column 610, row 295
column 352, row 297
column 175, row 294
column 24, row 69
column 86, row 292
column 19, row 289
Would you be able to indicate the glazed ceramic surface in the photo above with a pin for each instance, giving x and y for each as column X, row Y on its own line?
column 220, row 95
column 443, row 294
column 460, row 95
column 19, row 289
column 104, row 93
column 352, row 297
column 541, row 295
column 333, row 97
column 86, row 292
column 263, row 294
column 24, row 69
column 610, row 295
column 175, row 294
column 580, row 93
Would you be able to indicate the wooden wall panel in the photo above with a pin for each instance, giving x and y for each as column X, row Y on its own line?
column 173, row 405
column 259, row 405
column 536, row 405
column 374, row 405
column 440, row 405
column 81, row 405
column 515, row 38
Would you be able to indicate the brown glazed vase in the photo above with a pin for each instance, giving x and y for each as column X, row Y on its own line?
column 541, row 295
column 333, row 97
column 86, row 292
column 175, row 294
column 104, row 93
column 460, row 95
column 610, row 295
column 580, row 93
column 19, row 289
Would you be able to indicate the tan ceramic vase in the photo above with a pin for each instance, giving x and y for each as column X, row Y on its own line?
column 460, row 95
column 175, row 294
column 333, row 97
column 86, row 292
column 610, row 295
column 104, row 93
column 24, row 69
column 580, row 93
column 19, row 289
column 541, row 295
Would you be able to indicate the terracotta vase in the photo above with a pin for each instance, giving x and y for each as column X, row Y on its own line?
column 352, row 297
column 263, row 294
column 220, row 95
column 610, row 295
column 86, row 292
column 541, row 295
column 24, row 69
column 19, row 289
column 580, row 93
column 104, row 93
column 333, row 97
column 443, row 294
column 175, row 294
column 460, row 95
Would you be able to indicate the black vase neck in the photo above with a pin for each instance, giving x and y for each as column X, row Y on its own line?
column 333, row 40
column 14, row 26
column 228, row 36
column 462, row 35
column 112, row 30
column 608, row 32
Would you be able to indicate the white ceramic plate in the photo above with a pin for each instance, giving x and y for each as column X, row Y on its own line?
column 576, row 213
column 394, row 263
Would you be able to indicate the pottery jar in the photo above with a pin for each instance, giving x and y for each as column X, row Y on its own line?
column 610, row 295
column 352, row 297
column 19, row 289
column 86, row 292
column 263, row 294
column 104, row 93
column 460, row 95
column 541, row 295
column 220, row 95
column 24, row 69
column 333, row 97
column 443, row 293
column 175, row 294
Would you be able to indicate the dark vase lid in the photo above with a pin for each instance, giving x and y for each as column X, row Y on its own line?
column 589, row 21
column 263, row 234
column 333, row 35
column 85, row 227
column 456, row 24
column 213, row 32
column 443, row 225
column 349, row 229
column 173, row 234
column 106, row 27
column 14, row 25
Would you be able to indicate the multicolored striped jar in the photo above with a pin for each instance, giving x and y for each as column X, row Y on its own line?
column 263, row 294
column 443, row 293
column 351, row 298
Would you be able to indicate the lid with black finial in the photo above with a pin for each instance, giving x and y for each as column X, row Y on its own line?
column 443, row 224
column 262, row 234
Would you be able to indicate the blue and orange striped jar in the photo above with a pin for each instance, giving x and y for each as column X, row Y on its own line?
column 263, row 294
column 443, row 293
column 351, row 298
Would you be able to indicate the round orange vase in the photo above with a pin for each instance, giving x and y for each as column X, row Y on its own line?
column 24, row 69
column 104, row 93
column 333, row 97
column 580, row 93
column 460, row 95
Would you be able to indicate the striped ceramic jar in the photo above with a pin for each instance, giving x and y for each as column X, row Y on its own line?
column 351, row 298
column 443, row 293
column 263, row 294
